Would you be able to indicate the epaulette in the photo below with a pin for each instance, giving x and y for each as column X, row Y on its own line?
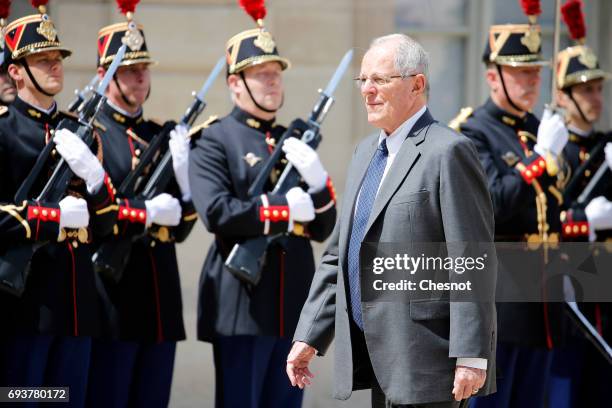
column 3, row 110
column 196, row 129
column 461, row 118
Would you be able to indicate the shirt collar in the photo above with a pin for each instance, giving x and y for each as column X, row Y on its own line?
column 395, row 139
column 579, row 132
column 36, row 113
column 252, row 121
column 121, row 116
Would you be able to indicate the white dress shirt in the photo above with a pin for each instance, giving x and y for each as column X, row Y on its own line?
column 394, row 143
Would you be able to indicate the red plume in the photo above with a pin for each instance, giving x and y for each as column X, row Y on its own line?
column 531, row 7
column 5, row 8
column 127, row 6
column 574, row 18
column 254, row 8
column 37, row 3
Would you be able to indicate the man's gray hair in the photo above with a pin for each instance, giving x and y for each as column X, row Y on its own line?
column 410, row 56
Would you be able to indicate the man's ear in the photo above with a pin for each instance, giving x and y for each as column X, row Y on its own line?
column 561, row 98
column 492, row 77
column 14, row 72
column 101, row 72
column 420, row 85
column 234, row 83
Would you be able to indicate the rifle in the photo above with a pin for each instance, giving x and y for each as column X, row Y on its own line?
column 601, row 176
column 588, row 330
column 111, row 257
column 246, row 259
column 83, row 95
column 15, row 261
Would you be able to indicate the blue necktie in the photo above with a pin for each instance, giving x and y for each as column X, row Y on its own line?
column 367, row 195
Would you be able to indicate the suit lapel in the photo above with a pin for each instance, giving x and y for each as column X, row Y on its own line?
column 403, row 162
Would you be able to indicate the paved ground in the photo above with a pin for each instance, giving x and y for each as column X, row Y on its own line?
column 194, row 375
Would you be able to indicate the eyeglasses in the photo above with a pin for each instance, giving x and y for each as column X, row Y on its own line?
column 378, row 80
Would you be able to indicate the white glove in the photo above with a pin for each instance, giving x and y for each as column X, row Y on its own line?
column 599, row 213
column 80, row 159
column 300, row 205
column 73, row 213
column 552, row 134
column 608, row 151
column 163, row 209
column 307, row 163
column 179, row 148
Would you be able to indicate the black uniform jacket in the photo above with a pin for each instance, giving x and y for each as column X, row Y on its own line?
column 516, row 174
column 145, row 305
column 585, row 155
column 60, row 292
column 224, row 161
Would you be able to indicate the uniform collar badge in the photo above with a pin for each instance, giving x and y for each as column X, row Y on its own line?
column 252, row 159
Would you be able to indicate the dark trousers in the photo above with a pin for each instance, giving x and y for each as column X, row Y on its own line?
column 566, row 374
column 596, row 379
column 130, row 374
column 522, row 380
column 380, row 401
column 47, row 361
column 251, row 373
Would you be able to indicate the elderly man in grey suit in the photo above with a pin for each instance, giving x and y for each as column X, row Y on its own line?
column 415, row 181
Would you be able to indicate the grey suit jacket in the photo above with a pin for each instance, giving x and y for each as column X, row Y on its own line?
column 435, row 191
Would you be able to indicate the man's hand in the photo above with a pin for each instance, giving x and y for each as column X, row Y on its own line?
column 73, row 213
column 163, row 209
column 307, row 162
column 301, row 208
column 599, row 213
column 608, row 152
column 81, row 160
column 468, row 381
column 552, row 134
column 297, row 364
column 179, row 148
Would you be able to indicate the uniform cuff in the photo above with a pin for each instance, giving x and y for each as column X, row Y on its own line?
column 575, row 225
column 44, row 220
column 189, row 212
column 104, row 196
column 274, row 214
column 325, row 199
column 131, row 218
column 532, row 168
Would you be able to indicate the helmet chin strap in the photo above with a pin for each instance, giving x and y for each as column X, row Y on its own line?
column 501, row 77
column 569, row 93
column 124, row 97
column 34, row 81
column 253, row 99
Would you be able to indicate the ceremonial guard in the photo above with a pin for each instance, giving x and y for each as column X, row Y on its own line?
column 251, row 326
column 580, row 374
column 521, row 158
column 46, row 332
column 132, row 362
column 7, row 87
